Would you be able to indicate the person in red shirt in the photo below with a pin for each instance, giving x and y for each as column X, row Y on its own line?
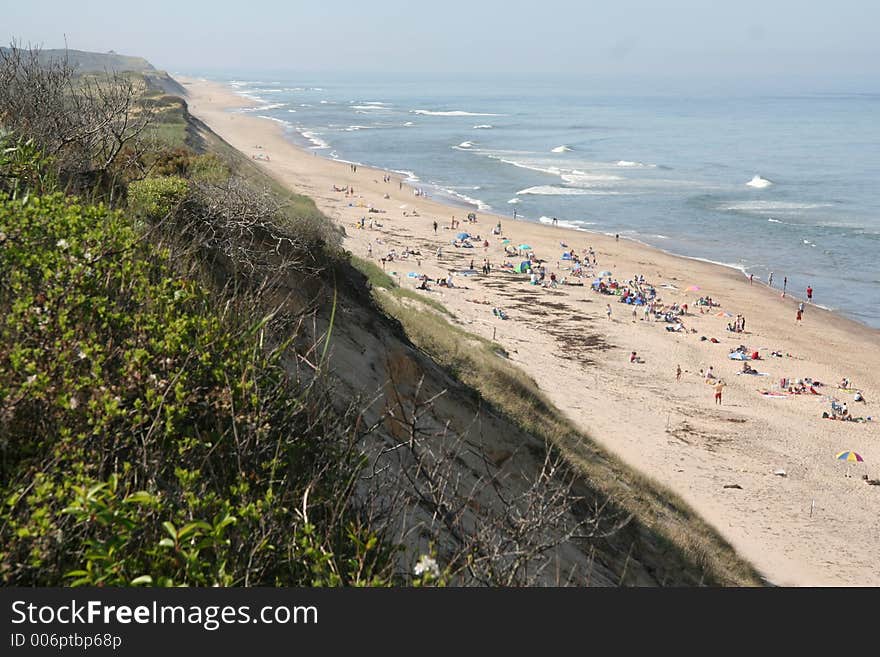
column 809, row 293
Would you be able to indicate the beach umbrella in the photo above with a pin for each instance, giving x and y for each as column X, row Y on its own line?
column 693, row 288
column 463, row 236
column 723, row 314
column 852, row 457
column 505, row 241
column 525, row 247
column 604, row 273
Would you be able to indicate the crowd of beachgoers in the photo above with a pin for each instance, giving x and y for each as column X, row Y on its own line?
column 643, row 300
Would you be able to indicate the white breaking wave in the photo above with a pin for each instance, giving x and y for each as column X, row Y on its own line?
column 408, row 124
column 480, row 205
column 635, row 165
column 761, row 207
column 561, row 149
column 286, row 124
column 514, row 200
column 355, row 128
column 263, row 108
column 566, row 224
column 531, row 167
column 552, row 190
column 292, row 111
column 450, row 113
column 465, row 145
column 483, row 127
column 580, row 179
column 759, row 183
column 367, row 107
column 317, row 142
column 410, row 176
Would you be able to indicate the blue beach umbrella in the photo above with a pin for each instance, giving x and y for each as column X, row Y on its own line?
column 463, row 236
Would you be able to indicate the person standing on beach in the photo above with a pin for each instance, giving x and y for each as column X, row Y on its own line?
column 784, row 285
column 616, row 237
column 514, row 213
column 608, row 310
column 810, row 293
column 678, row 372
column 370, row 250
column 435, row 227
column 770, row 280
column 751, row 278
column 800, row 314
column 718, row 388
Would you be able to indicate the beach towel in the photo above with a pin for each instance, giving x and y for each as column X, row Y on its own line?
column 773, row 393
column 738, row 355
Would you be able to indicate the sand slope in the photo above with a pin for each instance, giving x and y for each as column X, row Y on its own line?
column 814, row 526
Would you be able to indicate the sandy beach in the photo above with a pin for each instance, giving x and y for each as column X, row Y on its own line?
column 818, row 523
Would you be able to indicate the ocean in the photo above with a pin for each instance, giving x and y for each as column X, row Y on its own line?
column 758, row 181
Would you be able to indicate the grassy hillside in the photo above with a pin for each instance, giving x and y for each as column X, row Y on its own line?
column 86, row 62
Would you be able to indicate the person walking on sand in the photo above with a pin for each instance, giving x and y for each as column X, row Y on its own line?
column 616, row 237
column 370, row 250
column 751, row 278
column 800, row 314
column 678, row 372
column 770, row 280
column 718, row 388
column 608, row 310
column 435, row 227
column 784, row 285
column 810, row 293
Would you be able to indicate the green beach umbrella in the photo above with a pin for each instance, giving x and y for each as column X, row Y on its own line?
column 525, row 247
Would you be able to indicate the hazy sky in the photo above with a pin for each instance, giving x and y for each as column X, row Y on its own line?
column 630, row 37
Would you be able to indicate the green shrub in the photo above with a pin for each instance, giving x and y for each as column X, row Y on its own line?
column 145, row 437
column 155, row 198
column 208, row 168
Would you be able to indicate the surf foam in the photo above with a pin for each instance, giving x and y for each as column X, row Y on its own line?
column 450, row 113
column 759, row 183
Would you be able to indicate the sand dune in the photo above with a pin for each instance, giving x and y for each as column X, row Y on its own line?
column 813, row 526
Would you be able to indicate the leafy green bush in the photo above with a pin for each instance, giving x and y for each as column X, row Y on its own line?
column 156, row 198
column 148, row 439
column 208, row 168
column 23, row 168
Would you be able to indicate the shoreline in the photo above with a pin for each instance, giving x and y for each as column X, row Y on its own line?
column 670, row 431
column 446, row 197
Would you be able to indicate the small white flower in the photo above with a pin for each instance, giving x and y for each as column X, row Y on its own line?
column 62, row 244
column 426, row 565
column 88, row 256
column 74, row 402
column 178, row 294
column 31, row 379
column 81, row 355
